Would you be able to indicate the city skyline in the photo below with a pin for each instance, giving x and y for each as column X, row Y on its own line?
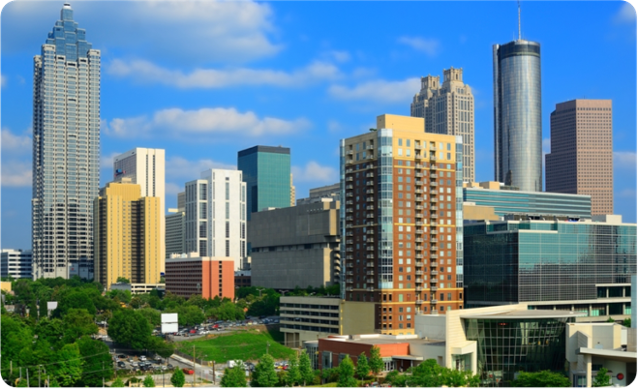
column 291, row 83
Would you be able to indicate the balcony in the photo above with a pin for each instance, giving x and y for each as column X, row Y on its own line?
column 348, row 225
column 419, row 272
column 349, row 170
column 419, row 248
column 350, row 152
column 433, row 256
column 419, row 240
column 350, row 280
column 370, row 191
column 419, row 280
column 419, row 216
column 370, row 207
column 370, row 289
column 370, row 147
column 419, row 207
column 419, row 256
column 420, row 224
column 418, row 264
column 434, row 176
column 418, row 199
column 350, row 265
column 433, row 281
column 418, row 182
column 433, row 208
column 350, row 233
column 369, row 174
column 370, row 256
column 418, row 147
column 418, row 156
column 434, row 199
column 434, row 301
column 433, row 288
column 419, row 288
column 349, row 241
column 370, row 273
column 370, row 215
column 349, row 194
column 418, row 231
column 370, row 264
column 348, row 187
column 434, row 272
column 349, row 273
column 432, row 157
column 369, row 198
column 433, row 148
column 370, row 280
column 348, row 288
column 433, row 166
column 433, row 240
column 370, row 248
column 349, row 249
column 419, row 302
column 433, row 264
column 433, row 215
column 419, row 166
column 350, row 179
column 349, row 210
column 418, row 191
column 349, row 218
column 418, row 174
column 433, row 223
column 433, row 249
column 349, row 257
column 370, row 232
column 349, row 202
column 370, row 240
column 370, row 183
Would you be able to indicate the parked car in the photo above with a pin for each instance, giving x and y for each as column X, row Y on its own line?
column 170, row 366
column 188, row 371
column 142, row 358
column 131, row 360
column 192, row 331
column 122, row 356
column 121, row 365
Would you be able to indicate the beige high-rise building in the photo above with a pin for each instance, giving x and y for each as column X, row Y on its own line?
column 127, row 235
column 293, row 193
column 581, row 158
column 448, row 109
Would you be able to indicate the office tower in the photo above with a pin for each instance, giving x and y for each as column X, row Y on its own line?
column 293, row 193
column 175, row 231
column 127, row 235
column 266, row 172
column 581, row 161
column 449, row 110
column 402, row 203
column 145, row 167
column 517, row 115
column 16, row 263
column 216, row 215
column 209, row 277
column 552, row 264
column 66, row 148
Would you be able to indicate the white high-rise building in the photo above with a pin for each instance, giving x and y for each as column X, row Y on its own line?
column 216, row 215
column 16, row 263
column 448, row 109
column 146, row 168
column 66, row 149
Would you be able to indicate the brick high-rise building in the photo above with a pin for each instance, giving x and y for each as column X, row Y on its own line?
column 581, row 161
column 402, row 204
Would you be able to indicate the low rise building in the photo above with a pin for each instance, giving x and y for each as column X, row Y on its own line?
column 242, row 278
column 136, row 288
column 16, row 263
column 324, row 193
column 175, row 231
column 190, row 274
column 296, row 246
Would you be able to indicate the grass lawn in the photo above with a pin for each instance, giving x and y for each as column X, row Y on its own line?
column 247, row 346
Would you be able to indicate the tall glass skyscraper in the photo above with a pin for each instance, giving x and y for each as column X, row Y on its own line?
column 267, row 176
column 66, row 148
column 518, row 133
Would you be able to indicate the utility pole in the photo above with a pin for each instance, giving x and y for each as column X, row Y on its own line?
column 213, row 372
column 10, row 368
column 39, row 383
column 194, row 369
column 102, row 374
column 28, row 378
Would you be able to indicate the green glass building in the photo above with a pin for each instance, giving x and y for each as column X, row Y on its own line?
column 266, row 172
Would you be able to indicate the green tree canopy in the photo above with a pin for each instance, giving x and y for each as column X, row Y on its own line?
column 123, row 280
column 293, row 374
column 68, row 367
column 97, row 364
column 178, row 379
column 118, row 383
column 305, row 368
column 15, row 337
column 73, row 298
column 234, row 377
column 602, row 378
column 541, row 379
column 265, row 375
column 160, row 347
column 130, row 328
column 148, row 382
column 375, row 362
column 346, row 373
column 363, row 369
column 51, row 330
column 77, row 323
column 153, row 316
column 122, row 295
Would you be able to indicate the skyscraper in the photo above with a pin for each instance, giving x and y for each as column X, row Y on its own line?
column 127, row 235
column 517, row 115
column 216, row 215
column 449, row 110
column 266, row 172
column 145, row 167
column 66, row 148
column 581, row 160
column 403, row 211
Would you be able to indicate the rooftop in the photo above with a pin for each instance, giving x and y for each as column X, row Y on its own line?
column 375, row 339
column 524, row 314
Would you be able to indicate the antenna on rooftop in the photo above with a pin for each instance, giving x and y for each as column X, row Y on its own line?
column 519, row 20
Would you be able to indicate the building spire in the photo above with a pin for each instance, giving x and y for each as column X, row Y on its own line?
column 519, row 20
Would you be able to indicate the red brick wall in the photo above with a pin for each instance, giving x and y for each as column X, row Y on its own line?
column 213, row 276
column 355, row 349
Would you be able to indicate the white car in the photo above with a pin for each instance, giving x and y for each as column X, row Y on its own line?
column 142, row 358
column 203, row 332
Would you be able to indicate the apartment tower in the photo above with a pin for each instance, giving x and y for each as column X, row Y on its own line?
column 127, row 235
column 581, row 158
column 145, row 167
column 66, row 148
column 215, row 223
column 402, row 204
column 449, row 110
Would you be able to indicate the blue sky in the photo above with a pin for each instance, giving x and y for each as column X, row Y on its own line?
column 205, row 80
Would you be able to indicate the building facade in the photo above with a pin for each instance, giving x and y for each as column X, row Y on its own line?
column 449, row 110
column 127, row 235
column 215, row 208
column 403, row 214
column 577, row 266
column 66, row 148
column 507, row 202
column 322, row 193
column 518, row 134
column 16, row 263
column 296, row 246
column 266, row 172
column 175, row 231
column 581, row 161
column 190, row 274
column 145, row 167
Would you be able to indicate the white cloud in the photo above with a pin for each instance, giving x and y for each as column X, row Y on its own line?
column 106, row 161
column 428, row 46
column 182, row 170
column 145, row 71
column 315, row 173
column 625, row 160
column 626, row 13
column 627, row 194
column 547, row 145
column 334, row 126
column 339, row 56
column 3, row 80
column 15, row 144
column 378, row 90
column 177, row 31
column 173, row 189
column 202, row 122
column 16, row 173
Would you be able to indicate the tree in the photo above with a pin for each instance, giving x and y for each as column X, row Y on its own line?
column 611, row 320
column 234, row 377
column 627, row 322
column 148, row 382
column 122, row 295
column 130, row 328
column 293, row 374
column 346, row 373
column 136, row 302
column 363, row 369
column 177, row 379
column 376, row 363
column 51, row 330
column 118, row 383
column 122, row 280
column 541, row 379
column 97, row 364
column 265, row 375
column 160, row 347
column 73, row 298
column 77, row 323
column 153, row 316
column 602, row 378
column 305, row 369
column 67, row 368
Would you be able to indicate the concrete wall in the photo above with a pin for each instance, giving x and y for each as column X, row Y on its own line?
column 356, row 317
column 478, row 212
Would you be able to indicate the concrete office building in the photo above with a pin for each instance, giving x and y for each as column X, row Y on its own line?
column 293, row 193
column 581, row 266
column 581, row 161
column 448, row 109
column 323, row 193
column 145, row 167
column 215, row 208
column 175, row 231
column 518, row 134
column 266, row 172
column 403, row 214
column 66, row 148
column 127, row 235
column 189, row 274
column 507, row 202
column 16, row 263
column 296, row 246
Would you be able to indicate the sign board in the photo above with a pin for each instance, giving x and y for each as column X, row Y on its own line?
column 169, row 323
column 51, row 305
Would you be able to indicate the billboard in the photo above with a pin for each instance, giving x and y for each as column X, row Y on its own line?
column 169, row 323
